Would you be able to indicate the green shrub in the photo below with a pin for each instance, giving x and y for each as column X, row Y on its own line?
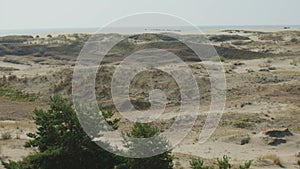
column 221, row 164
column 224, row 163
column 62, row 143
column 198, row 164
column 163, row 161
column 242, row 124
column 245, row 123
column 247, row 165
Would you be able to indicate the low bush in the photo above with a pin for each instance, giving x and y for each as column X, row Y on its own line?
column 223, row 163
column 16, row 95
column 245, row 123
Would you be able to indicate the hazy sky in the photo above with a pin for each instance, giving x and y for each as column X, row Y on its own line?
column 26, row 14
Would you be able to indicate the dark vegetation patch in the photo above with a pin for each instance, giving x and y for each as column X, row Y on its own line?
column 7, row 69
column 245, row 31
column 19, row 49
column 15, row 39
column 13, row 61
column 59, row 46
column 223, row 38
column 71, row 49
column 127, row 47
column 240, row 42
column 245, row 123
column 152, row 37
column 232, row 53
column 271, row 37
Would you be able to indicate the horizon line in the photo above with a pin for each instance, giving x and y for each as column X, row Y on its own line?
column 198, row 26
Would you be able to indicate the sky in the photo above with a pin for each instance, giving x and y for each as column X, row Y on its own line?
column 36, row 14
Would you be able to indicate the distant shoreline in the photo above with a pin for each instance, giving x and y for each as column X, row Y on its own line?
column 128, row 30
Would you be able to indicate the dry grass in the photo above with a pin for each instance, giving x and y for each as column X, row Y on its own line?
column 271, row 157
column 18, row 137
column 298, row 158
column 265, row 65
column 6, row 136
column 18, row 125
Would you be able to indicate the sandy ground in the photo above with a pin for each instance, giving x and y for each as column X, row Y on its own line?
column 28, row 68
column 264, row 91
